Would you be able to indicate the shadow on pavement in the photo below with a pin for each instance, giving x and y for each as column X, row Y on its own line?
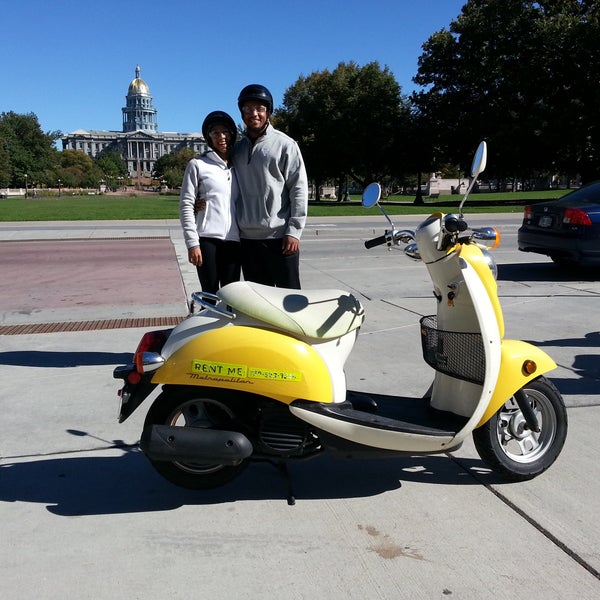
column 35, row 358
column 545, row 272
column 590, row 340
column 102, row 485
column 576, row 387
column 585, row 366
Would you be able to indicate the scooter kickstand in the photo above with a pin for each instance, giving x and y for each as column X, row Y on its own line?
column 283, row 470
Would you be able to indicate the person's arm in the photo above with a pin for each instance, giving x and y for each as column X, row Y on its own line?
column 195, row 256
column 187, row 200
column 290, row 244
column 297, row 185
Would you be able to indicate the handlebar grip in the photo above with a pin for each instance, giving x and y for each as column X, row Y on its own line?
column 378, row 241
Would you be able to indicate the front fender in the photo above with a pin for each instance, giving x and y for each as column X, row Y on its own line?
column 511, row 377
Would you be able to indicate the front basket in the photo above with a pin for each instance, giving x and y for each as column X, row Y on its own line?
column 457, row 354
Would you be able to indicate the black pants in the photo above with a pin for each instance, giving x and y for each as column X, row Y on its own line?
column 263, row 262
column 220, row 264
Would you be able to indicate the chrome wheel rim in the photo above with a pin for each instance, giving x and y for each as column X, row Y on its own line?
column 517, row 441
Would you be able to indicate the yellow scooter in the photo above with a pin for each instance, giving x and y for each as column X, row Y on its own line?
column 257, row 373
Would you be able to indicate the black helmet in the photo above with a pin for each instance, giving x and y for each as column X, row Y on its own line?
column 218, row 117
column 258, row 93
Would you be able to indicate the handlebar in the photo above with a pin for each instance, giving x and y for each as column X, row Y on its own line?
column 392, row 237
column 378, row 241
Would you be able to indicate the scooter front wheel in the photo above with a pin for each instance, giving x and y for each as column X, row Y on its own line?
column 510, row 447
column 209, row 409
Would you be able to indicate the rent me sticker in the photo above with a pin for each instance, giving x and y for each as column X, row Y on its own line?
column 219, row 369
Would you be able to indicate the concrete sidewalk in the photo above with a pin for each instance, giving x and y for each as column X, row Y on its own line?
column 83, row 515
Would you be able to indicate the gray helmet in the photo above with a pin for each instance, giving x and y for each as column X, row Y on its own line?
column 218, row 117
column 258, row 93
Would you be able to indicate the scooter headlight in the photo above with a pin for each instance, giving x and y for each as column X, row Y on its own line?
column 491, row 263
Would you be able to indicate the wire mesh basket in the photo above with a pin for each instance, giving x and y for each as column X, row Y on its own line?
column 457, row 354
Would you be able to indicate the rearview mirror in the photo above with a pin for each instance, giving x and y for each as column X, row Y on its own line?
column 371, row 195
column 477, row 167
column 479, row 160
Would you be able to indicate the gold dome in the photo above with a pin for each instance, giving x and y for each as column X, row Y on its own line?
column 138, row 86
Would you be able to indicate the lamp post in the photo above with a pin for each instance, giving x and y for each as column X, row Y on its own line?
column 59, row 182
column 25, row 185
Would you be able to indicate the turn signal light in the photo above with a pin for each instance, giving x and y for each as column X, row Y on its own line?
column 497, row 242
column 529, row 367
column 134, row 378
column 151, row 342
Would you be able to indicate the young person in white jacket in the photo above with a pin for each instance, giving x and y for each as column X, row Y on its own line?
column 211, row 233
column 273, row 194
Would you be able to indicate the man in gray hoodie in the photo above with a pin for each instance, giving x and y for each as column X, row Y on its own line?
column 273, row 200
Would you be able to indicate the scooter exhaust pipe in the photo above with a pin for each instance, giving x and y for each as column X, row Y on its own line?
column 191, row 444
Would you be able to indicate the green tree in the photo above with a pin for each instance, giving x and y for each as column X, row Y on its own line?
column 170, row 167
column 30, row 151
column 345, row 121
column 5, row 166
column 522, row 75
column 77, row 169
column 111, row 164
column 569, row 33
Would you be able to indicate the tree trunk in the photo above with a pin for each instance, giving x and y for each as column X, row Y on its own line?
column 419, row 194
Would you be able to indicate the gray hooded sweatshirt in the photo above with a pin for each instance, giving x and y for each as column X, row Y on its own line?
column 273, row 199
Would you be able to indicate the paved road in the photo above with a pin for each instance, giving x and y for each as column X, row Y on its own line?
column 82, row 515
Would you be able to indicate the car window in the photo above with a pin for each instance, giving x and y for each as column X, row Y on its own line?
column 588, row 193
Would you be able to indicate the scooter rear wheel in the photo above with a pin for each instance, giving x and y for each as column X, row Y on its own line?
column 510, row 447
column 194, row 408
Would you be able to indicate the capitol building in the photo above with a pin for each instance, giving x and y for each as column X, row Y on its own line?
column 140, row 144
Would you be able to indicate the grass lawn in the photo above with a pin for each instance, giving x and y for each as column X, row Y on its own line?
column 155, row 206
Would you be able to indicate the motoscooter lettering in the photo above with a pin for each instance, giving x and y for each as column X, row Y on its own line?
column 240, row 380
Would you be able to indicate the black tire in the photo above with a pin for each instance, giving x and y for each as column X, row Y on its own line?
column 564, row 261
column 510, row 448
column 201, row 407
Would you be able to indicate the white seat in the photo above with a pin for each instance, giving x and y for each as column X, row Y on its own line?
column 320, row 314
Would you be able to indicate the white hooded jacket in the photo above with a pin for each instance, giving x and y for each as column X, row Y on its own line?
column 211, row 179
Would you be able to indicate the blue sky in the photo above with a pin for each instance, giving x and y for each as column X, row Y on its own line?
column 71, row 61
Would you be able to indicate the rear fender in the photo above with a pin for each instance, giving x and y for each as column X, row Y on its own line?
column 249, row 359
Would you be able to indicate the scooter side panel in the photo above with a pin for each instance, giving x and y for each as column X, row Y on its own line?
column 512, row 378
column 252, row 360
column 475, row 257
column 471, row 310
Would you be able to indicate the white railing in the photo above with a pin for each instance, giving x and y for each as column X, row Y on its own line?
column 8, row 192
